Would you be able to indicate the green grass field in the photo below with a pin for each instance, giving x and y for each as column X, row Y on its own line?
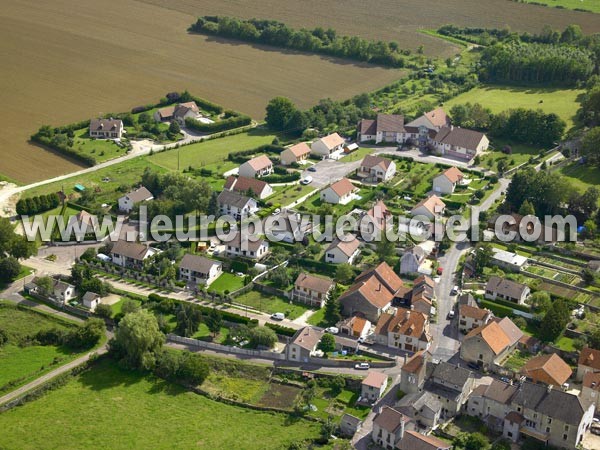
column 581, row 176
column 588, row 5
column 227, row 282
column 499, row 98
column 106, row 407
column 118, row 307
column 211, row 152
column 100, row 149
column 271, row 304
column 19, row 365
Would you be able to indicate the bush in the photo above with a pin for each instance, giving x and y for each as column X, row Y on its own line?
column 280, row 329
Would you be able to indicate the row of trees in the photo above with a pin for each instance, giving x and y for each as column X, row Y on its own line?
column 318, row 40
column 12, row 248
column 527, row 126
column 35, row 205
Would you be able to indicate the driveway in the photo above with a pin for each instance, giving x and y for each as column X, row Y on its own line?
column 329, row 171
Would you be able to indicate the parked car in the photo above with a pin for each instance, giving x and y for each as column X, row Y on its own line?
column 312, row 169
column 473, row 366
column 451, row 314
column 278, row 316
column 307, row 180
column 440, row 270
column 505, row 379
column 332, row 330
column 276, row 211
column 454, row 290
column 362, row 366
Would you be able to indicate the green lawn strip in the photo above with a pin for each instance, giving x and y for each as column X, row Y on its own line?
column 99, row 149
column 212, row 151
column 204, row 334
column 562, row 102
column 566, row 344
column 117, row 307
column 227, row 282
column 120, row 409
column 271, row 304
column 318, row 318
column 581, row 176
column 587, row 5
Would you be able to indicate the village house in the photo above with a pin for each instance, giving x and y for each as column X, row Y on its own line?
column 178, row 112
column 257, row 167
column 446, row 182
column 250, row 247
column 508, row 260
column 312, row 290
column 467, row 299
column 417, row 441
column 82, row 223
column 460, row 142
column 421, row 296
column 432, row 120
column 375, row 221
column 372, row 293
column 507, row 290
column 405, row 330
column 491, row 343
column 375, row 169
column 470, row 317
column 452, row 386
column 296, row 154
column 590, row 389
column 589, row 361
column 236, row 205
column 195, row 270
column 245, row 185
column 106, row 128
column 411, row 260
column 330, row 146
column 128, row 201
column 91, row 300
column 343, row 251
column 131, row 255
column 546, row 414
column 303, row 344
column 62, row 292
column 385, row 128
column 389, row 427
column 355, row 326
column 547, row 369
column 423, row 408
column 287, row 226
column 413, row 373
column 373, row 386
column 341, row 192
column 430, row 207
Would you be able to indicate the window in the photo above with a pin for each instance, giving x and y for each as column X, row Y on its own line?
column 547, row 429
column 565, row 437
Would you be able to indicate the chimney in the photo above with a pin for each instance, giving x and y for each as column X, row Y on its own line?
column 549, row 388
column 379, row 287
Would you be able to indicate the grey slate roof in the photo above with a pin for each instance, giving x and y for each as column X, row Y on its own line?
column 197, row 263
column 232, row 198
column 451, row 374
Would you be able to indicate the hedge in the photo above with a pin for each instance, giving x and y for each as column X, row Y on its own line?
column 68, row 151
column 221, row 125
column 292, row 176
column 38, row 204
column 497, row 309
column 512, row 305
column 243, row 155
column 280, row 329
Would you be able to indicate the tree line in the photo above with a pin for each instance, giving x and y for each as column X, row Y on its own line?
column 317, row 40
column 38, row 204
column 533, row 127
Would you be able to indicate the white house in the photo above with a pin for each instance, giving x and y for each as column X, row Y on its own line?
column 295, row 154
column 411, row 260
column 385, row 128
column 373, row 386
column 91, row 300
column 251, row 247
column 260, row 189
column 131, row 254
column 259, row 166
column 235, row 205
column 312, row 290
column 341, row 192
column 376, row 169
column 63, row 292
column 446, row 182
column 508, row 290
column 430, row 207
column 128, row 201
column 106, row 128
column 344, row 251
column 330, row 146
column 199, row 270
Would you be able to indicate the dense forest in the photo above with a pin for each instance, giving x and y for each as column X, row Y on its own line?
column 318, row 40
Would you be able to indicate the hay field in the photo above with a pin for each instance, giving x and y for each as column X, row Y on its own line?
column 67, row 60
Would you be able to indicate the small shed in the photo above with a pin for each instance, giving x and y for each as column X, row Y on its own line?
column 79, row 187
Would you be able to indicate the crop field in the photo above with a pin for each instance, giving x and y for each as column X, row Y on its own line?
column 110, row 408
column 94, row 60
column 563, row 102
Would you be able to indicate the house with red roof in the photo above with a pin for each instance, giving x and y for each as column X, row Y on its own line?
column 341, row 192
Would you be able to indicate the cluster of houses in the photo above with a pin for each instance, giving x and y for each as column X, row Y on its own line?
column 433, row 130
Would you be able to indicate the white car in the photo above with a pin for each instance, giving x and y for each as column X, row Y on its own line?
column 278, row 316
column 307, row 180
column 332, row 330
column 362, row 366
column 454, row 290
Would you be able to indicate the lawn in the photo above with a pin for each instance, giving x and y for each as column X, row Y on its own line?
column 117, row 307
column 227, row 282
column 211, row 152
column 562, row 102
column 336, row 406
column 566, row 344
column 20, row 364
column 581, row 176
column 271, row 304
column 204, row 334
column 318, row 318
column 517, row 360
column 100, row 149
column 357, row 155
column 107, row 407
column 289, row 194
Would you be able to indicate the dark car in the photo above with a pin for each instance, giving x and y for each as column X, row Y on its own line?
column 312, row 169
column 473, row 366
